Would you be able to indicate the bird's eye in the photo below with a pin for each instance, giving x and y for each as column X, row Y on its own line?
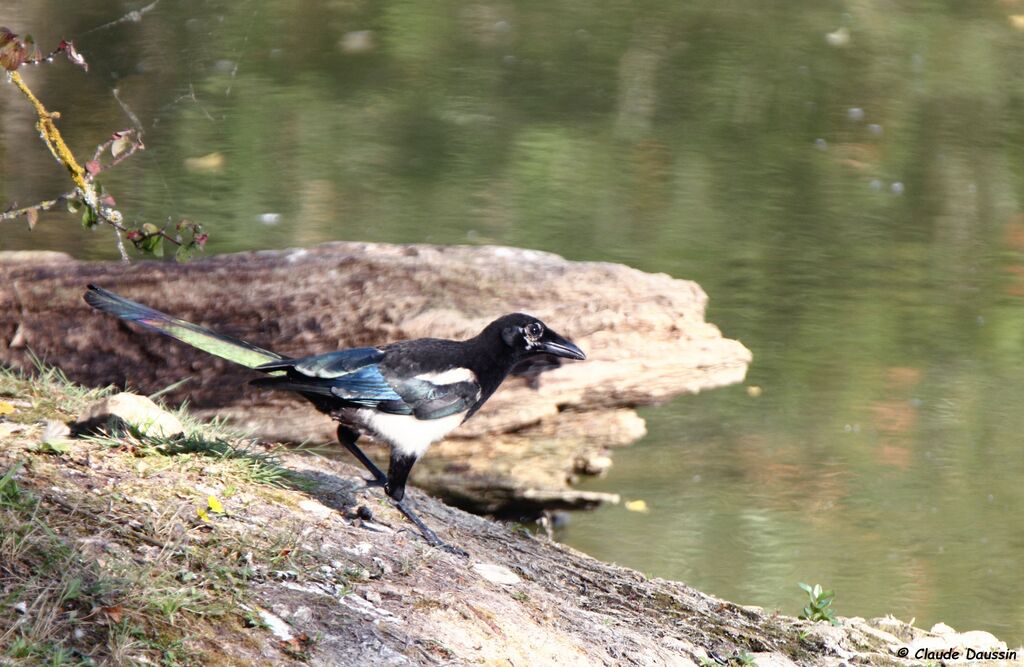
column 534, row 330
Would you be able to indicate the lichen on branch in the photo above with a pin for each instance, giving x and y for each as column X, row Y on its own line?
column 99, row 206
column 51, row 136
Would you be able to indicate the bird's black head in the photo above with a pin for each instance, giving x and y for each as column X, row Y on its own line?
column 525, row 336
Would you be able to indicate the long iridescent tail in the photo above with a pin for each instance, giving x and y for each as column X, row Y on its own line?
column 240, row 352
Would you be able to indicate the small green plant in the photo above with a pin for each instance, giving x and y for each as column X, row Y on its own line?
column 819, row 604
column 744, row 658
column 741, row 658
column 10, row 494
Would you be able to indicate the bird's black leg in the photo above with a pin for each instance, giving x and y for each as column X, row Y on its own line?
column 398, row 474
column 348, row 437
column 394, row 485
column 429, row 535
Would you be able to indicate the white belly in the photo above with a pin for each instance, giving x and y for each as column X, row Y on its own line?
column 408, row 435
column 450, row 376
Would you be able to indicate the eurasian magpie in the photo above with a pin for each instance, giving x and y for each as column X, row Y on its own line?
column 407, row 395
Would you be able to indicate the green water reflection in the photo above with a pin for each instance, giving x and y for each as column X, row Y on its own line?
column 853, row 210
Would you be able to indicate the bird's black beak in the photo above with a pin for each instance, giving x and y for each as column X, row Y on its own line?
column 554, row 344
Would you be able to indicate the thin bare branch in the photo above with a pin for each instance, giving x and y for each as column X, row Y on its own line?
column 12, row 213
column 127, row 143
column 65, row 47
column 120, row 246
column 134, row 16
column 127, row 111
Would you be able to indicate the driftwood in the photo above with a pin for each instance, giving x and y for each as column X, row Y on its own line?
column 645, row 336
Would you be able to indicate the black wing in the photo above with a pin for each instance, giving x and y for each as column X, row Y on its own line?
column 351, row 375
column 433, row 401
column 355, row 376
column 329, row 365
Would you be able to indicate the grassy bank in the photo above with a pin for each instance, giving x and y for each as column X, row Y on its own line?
column 120, row 548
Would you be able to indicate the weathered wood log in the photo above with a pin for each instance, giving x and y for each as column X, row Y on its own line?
column 645, row 336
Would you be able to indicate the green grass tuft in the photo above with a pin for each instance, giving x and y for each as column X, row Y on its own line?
column 46, row 392
column 249, row 462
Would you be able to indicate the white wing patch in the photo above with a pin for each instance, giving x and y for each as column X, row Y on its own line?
column 408, row 435
column 450, row 376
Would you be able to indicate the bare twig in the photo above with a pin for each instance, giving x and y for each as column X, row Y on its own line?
column 122, row 145
column 134, row 16
column 65, row 47
column 127, row 111
column 12, row 213
column 120, row 246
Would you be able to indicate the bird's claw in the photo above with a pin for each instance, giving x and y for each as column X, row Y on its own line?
column 452, row 549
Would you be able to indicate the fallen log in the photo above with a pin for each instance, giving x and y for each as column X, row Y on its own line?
column 645, row 335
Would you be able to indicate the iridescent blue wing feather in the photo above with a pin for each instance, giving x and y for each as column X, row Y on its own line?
column 329, row 365
column 351, row 375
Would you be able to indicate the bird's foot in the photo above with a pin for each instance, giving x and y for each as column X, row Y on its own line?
column 428, row 535
column 452, row 549
column 436, row 542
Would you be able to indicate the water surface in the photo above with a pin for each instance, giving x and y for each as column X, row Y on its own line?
column 844, row 180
